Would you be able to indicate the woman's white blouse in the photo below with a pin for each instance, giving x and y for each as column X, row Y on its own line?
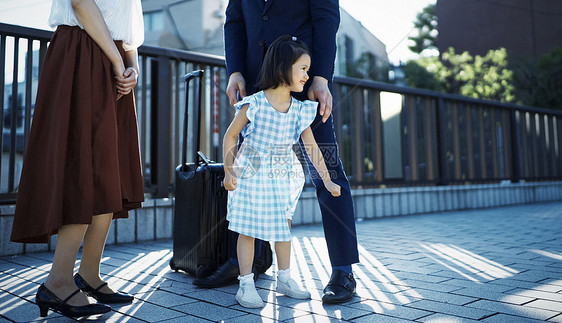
column 122, row 17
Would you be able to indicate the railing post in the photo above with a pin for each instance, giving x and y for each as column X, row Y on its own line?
column 13, row 118
column 514, row 134
column 412, row 138
column 160, row 126
column 441, row 149
column 377, row 135
column 357, row 146
column 2, row 87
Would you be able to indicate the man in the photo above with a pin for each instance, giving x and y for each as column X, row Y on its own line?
column 251, row 25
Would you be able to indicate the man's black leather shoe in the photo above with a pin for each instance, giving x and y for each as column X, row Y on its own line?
column 227, row 274
column 340, row 289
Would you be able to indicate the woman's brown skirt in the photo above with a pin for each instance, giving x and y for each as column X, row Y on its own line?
column 82, row 158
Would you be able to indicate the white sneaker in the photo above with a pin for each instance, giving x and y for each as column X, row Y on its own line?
column 247, row 296
column 292, row 289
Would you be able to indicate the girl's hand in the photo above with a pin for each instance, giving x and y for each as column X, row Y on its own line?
column 333, row 188
column 229, row 182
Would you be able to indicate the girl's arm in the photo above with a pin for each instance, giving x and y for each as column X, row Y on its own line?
column 315, row 155
column 229, row 147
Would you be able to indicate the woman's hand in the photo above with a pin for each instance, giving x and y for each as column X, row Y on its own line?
column 229, row 182
column 333, row 188
column 126, row 82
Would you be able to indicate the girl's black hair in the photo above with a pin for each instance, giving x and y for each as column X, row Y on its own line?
column 278, row 61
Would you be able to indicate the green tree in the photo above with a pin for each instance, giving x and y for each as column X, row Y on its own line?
column 495, row 76
column 426, row 27
column 421, row 73
column 539, row 82
column 487, row 77
column 450, row 73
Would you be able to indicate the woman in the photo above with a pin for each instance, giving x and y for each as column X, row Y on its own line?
column 82, row 165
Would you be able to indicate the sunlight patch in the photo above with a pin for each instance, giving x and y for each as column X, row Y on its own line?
column 557, row 256
column 467, row 264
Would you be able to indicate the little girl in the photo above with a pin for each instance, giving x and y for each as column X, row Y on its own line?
column 265, row 178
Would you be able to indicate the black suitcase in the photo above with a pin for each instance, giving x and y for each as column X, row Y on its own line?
column 200, row 234
column 201, row 240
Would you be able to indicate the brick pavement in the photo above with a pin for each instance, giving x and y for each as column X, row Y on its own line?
column 491, row 265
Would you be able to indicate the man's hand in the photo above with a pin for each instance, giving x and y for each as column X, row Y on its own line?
column 236, row 83
column 319, row 91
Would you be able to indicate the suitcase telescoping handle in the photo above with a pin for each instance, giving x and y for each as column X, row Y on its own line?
column 188, row 77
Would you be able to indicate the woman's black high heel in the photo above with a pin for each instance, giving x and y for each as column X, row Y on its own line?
column 46, row 299
column 113, row 298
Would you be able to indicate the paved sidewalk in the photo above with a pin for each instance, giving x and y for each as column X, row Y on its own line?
column 490, row 265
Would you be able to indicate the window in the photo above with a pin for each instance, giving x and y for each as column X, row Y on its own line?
column 349, row 55
column 153, row 21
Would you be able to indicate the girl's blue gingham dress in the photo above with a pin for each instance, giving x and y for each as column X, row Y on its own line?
column 269, row 175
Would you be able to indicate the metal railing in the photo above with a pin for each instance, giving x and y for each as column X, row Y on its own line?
column 402, row 136
column 387, row 135
column 160, row 106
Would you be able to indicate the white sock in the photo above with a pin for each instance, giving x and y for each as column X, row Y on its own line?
column 246, row 279
column 284, row 275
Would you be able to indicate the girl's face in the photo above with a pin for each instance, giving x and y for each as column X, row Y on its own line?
column 299, row 73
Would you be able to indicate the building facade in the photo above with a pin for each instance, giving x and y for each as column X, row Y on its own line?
column 193, row 25
column 526, row 28
column 197, row 25
column 360, row 54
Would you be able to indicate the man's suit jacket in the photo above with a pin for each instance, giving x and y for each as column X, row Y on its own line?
column 252, row 25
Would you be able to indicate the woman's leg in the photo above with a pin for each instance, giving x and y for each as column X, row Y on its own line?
column 60, row 280
column 92, row 251
column 245, row 251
